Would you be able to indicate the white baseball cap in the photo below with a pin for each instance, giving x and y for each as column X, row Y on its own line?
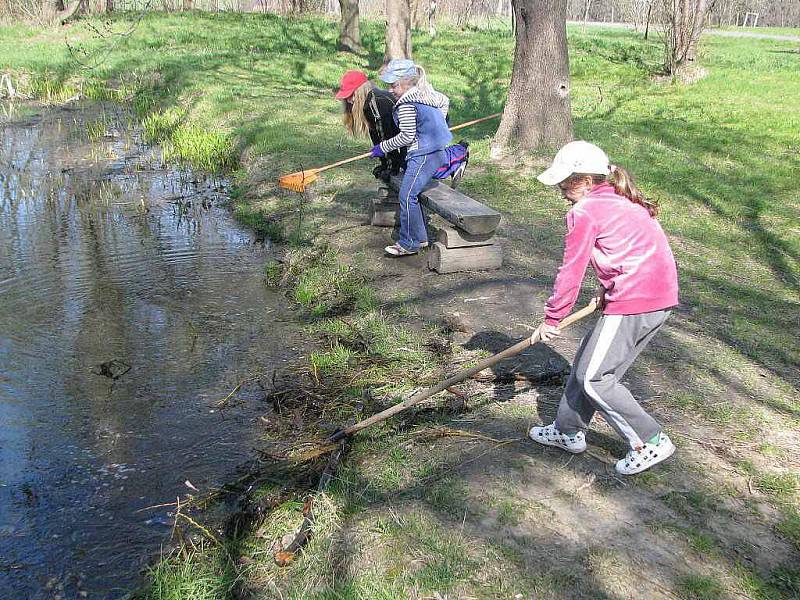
column 575, row 157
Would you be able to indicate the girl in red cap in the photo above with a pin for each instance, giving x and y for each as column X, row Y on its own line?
column 368, row 111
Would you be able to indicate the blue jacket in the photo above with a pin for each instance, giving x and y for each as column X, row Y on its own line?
column 432, row 131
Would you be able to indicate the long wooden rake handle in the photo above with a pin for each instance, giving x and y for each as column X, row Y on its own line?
column 475, row 121
column 460, row 376
column 342, row 162
column 367, row 154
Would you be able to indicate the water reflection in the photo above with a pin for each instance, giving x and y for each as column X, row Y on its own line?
column 109, row 259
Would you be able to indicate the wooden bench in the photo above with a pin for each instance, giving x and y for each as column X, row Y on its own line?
column 465, row 241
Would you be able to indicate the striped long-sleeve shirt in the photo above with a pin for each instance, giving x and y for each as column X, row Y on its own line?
column 407, row 117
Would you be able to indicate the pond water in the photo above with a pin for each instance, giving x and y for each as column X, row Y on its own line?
column 131, row 304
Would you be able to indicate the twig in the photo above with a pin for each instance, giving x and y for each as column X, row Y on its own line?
column 287, row 555
column 154, row 506
column 456, row 392
column 589, row 481
column 222, row 402
column 468, row 461
column 449, row 431
column 177, row 514
column 599, row 457
column 198, row 525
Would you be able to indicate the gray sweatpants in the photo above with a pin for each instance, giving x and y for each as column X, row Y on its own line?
column 594, row 383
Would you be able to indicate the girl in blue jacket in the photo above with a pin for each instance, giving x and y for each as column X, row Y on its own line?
column 420, row 114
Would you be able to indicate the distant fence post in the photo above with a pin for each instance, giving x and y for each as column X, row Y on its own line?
column 750, row 15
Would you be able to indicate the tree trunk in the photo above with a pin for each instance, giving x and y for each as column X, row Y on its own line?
column 537, row 113
column 109, row 6
column 698, row 23
column 349, row 32
column 398, row 29
column 587, row 8
column 70, row 10
column 685, row 22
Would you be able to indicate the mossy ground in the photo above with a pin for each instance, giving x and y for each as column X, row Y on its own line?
column 445, row 502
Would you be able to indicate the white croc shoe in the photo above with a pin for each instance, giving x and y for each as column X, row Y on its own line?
column 398, row 250
column 637, row 461
column 550, row 436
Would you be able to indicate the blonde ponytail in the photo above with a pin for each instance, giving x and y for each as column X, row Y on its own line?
column 624, row 186
column 422, row 80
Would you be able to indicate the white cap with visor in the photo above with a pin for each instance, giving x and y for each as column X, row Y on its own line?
column 576, row 157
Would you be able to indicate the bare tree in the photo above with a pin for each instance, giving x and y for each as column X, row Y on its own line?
column 685, row 20
column 586, row 10
column 432, row 18
column 537, row 113
column 398, row 29
column 349, row 31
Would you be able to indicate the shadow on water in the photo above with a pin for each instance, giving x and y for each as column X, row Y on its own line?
column 130, row 304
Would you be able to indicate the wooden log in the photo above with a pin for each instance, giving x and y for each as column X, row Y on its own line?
column 452, row 237
column 460, row 210
column 383, row 214
column 386, row 193
column 475, row 258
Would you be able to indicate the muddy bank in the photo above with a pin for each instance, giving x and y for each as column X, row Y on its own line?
column 131, row 304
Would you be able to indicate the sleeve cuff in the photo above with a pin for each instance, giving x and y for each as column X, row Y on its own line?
column 551, row 321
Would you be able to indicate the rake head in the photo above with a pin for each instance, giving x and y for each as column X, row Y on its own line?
column 297, row 182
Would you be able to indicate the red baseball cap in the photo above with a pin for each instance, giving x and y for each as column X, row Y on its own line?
column 351, row 81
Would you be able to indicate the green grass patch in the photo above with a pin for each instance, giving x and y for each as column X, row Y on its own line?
column 786, row 579
column 700, row 587
column 789, row 526
column 781, row 486
column 690, row 503
column 193, row 576
column 266, row 227
column 702, row 543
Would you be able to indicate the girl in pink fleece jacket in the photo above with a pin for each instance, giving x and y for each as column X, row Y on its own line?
column 612, row 226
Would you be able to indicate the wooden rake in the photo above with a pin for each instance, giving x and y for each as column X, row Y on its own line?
column 333, row 440
column 297, row 182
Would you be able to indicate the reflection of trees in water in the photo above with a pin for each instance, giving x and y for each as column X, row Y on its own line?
column 93, row 251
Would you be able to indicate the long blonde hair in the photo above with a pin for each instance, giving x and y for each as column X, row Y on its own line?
column 353, row 117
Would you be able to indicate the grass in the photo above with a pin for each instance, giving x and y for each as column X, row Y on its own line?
column 700, row 587
column 193, row 576
column 789, row 526
column 407, row 516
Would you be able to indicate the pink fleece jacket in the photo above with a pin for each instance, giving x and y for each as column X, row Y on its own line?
column 628, row 250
